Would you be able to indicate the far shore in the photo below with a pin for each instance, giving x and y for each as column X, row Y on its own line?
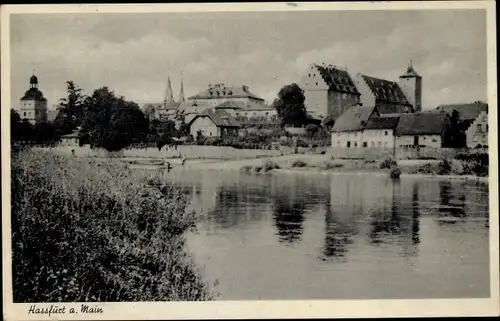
column 314, row 163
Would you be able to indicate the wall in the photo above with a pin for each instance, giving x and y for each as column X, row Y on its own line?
column 341, row 139
column 423, row 140
column 315, row 92
column 412, row 88
column 367, row 97
column 216, row 101
column 206, row 125
column 266, row 113
column 378, row 138
column 477, row 133
column 398, row 153
column 34, row 111
column 338, row 103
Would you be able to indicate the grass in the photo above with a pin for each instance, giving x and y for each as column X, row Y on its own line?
column 85, row 231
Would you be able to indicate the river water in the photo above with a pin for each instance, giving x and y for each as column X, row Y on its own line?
column 338, row 236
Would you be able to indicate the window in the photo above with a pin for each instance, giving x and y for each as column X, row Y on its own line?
column 425, row 138
column 24, row 114
column 355, row 144
column 348, row 144
column 486, row 127
column 386, row 133
column 365, row 144
column 316, row 84
column 478, row 127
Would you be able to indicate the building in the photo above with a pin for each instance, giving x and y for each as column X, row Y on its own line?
column 250, row 111
column 169, row 108
column 330, row 90
column 69, row 140
column 364, row 127
column 474, row 120
column 424, row 129
column 213, row 123
column 477, row 133
column 33, row 106
column 218, row 93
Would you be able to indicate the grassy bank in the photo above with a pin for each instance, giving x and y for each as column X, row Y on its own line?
column 84, row 231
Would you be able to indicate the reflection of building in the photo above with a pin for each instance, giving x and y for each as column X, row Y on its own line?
column 330, row 90
column 33, row 105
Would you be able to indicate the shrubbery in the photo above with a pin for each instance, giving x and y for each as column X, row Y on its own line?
column 97, row 232
column 395, row 172
column 299, row 163
column 270, row 165
column 387, row 163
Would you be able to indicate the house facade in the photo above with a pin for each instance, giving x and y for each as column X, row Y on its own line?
column 214, row 124
column 425, row 129
column 329, row 91
column 69, row 140
column 363, row 127
column 33, row 106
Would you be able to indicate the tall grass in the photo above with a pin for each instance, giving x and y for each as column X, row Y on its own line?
column 83, row 231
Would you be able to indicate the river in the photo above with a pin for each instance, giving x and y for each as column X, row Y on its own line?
column 341, row 236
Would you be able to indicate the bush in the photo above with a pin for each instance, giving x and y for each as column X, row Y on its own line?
column 426, row 169
column 395, row 172
column 388, row 163
column 444, row 167
column 257, row 168
column 270, row 165
column 330, row 165
column 85, row 231
column 246, row 169
column 299, row 163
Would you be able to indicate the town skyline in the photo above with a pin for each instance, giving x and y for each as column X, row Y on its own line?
column 234, row 48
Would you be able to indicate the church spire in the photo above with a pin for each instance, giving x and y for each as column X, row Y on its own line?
column 181, row 93
column 168, row 93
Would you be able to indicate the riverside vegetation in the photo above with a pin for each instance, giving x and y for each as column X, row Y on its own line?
column 83, row 231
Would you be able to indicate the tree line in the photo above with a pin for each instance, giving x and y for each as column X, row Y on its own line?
column 104, row 120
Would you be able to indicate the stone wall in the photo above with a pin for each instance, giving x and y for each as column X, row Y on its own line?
column 398, row 153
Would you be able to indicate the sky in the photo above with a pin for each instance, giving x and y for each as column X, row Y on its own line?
column 133, row 54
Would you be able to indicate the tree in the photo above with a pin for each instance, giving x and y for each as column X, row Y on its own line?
column 455, row 137
column 290, row 105
column 15, row 126
column 184, row 129
column 110, row 122
column 70, row 110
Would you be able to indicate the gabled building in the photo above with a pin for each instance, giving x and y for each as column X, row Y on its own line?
column 330, row 90
column 212, row 123
column 424, row 129
column 473, row 118
column 364, row 127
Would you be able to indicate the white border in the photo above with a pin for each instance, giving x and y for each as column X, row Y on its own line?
column 258, row 309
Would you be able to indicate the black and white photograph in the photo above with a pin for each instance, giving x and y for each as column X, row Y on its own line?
column 190, row 154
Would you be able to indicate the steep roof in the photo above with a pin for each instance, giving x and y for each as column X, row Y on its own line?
column 337, row 79
column 424, row 123
column 465, row 111
column 354, row 118
column 229, row 92
column 33, row 94
column 382, row 123
column 410, row 72
column 386, row 90
column 219, row 117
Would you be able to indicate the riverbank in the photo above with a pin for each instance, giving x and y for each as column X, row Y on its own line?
column 95, row 230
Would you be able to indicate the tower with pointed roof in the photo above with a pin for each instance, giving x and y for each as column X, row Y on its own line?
column 169, row 97
column 181, row 92
column 411, row 84
column 33, row 106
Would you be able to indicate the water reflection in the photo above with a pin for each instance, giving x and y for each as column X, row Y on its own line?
column 339, row 234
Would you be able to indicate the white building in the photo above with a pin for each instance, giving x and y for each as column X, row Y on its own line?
column 33, row 106
column 425, row 129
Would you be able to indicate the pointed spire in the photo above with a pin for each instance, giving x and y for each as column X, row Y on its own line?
column 181, row 93
column 168, row 93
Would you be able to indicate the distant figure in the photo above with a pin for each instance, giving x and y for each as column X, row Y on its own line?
column 169, row 167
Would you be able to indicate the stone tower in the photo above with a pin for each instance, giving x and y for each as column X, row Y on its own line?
column 33, row 106
column 411, row 84
column 181, row 92
column 169, row 97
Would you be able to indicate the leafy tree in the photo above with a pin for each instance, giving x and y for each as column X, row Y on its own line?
column 184, row 129
column 290, row 105
column 455, row 137
column 110, row 122
column 44, row 133
column 15, row 126
column 70, row 109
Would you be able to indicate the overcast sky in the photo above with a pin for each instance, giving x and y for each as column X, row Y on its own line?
column 134, row 53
